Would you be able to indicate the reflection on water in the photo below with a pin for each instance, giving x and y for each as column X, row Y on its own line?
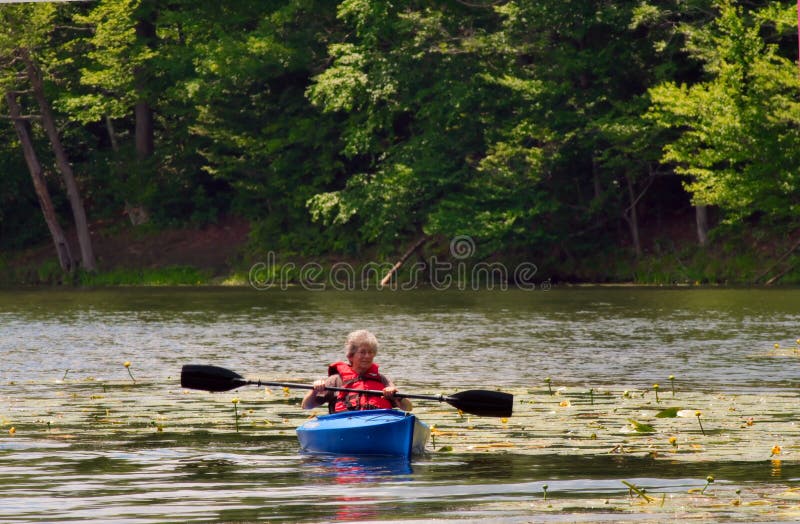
column 91, row 445
column 356, row 472
column 351, row 470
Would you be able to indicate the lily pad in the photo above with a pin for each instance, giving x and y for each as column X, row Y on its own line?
column 668, row 413
column 640, row 427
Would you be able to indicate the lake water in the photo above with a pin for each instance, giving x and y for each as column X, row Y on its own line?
column 90, row 443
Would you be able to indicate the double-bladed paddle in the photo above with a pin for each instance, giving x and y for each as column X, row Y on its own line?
column 475, row 401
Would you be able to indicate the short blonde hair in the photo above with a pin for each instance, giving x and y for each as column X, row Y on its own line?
column 359, row 338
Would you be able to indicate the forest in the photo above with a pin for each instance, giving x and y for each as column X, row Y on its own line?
column 605, row 141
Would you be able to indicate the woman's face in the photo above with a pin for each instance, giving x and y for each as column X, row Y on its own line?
column 362, row 358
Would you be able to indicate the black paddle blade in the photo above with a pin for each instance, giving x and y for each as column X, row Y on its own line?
column 210, row 378
column 483, row 403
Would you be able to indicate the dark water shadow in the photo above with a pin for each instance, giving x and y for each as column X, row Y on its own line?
column 532, row 468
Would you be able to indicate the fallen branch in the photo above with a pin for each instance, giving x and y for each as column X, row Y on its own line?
column 773, row 266
column 779, row 275
column 402, row 260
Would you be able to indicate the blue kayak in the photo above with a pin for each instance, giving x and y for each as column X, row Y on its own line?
column 370, row 432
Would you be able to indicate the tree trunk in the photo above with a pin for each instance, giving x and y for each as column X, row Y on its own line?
column 40, row 185
column 145, row 144
column 112, row 135
column 48, row 121
column 701, row 218
column 144, row 130
column 598, row 190
column 633, row 219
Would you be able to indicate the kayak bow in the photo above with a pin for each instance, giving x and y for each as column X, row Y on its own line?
column 370, row 432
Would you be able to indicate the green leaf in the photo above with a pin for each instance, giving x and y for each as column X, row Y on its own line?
column 668, row 413
column 641, row 428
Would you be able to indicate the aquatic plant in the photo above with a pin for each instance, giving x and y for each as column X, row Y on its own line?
column 776, row 450
column 12, row 431
column 709, row 481
column 591, row 396
column 65, row 374
column 655, row 388
column 549, row 388
column 127, row 365
column 544, row 490
column 672, row 384
column 674, row 441
column 668, row 413
column 698, row 414
column 640, row 427
column 235, row 401
column 641, row 492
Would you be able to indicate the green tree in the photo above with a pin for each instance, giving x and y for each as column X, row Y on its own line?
column 255, row 128
column 23, row 44
column 737, row 139
column 414, row 88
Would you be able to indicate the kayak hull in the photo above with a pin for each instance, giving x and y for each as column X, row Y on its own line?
column 372, row 432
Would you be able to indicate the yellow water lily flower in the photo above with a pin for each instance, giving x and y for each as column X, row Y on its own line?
column 12, row 431
column 127, row 365
column 674, row 441
column 235, row 400
column 698, row 414
column 776, row 450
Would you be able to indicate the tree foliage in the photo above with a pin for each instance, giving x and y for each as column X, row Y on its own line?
column 533, row 127
column 738, row 138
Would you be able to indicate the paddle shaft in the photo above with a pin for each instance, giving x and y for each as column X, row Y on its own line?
column 372, row 392
column 476, row 402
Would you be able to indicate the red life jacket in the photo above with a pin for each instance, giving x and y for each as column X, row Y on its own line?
column 349, row 401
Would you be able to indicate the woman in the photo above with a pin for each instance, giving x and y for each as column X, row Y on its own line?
column 359, row 372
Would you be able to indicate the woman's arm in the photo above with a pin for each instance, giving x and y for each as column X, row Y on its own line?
column 320, row 394
column 389, row 390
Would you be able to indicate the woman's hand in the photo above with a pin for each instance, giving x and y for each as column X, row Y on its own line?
column 389, row 392
column 319, row 386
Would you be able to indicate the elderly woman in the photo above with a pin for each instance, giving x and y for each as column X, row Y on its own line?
column 359, row 372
